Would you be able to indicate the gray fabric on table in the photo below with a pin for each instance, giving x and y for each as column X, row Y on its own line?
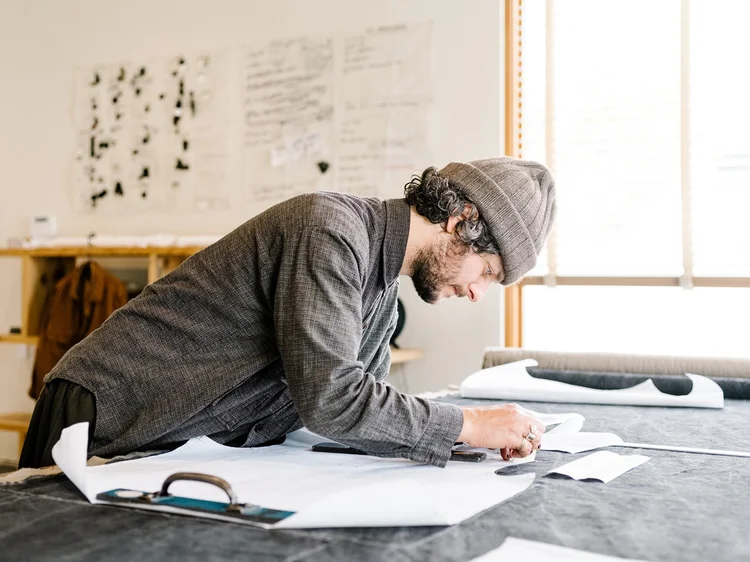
column 676, row 507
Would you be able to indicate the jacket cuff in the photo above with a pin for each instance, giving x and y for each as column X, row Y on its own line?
column 444, row 425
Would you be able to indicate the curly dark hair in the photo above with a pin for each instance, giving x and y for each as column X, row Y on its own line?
column 437, row 199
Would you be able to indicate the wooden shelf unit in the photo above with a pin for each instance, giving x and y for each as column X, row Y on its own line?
column 39, row 265
column 18, row 338
column 404, row 355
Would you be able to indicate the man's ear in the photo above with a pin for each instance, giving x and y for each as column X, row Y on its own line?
column 450, row 224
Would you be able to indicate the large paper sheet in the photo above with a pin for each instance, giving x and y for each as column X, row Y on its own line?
column 603, row 466
column 324, row 489
column 513, row 382
column 521, row 550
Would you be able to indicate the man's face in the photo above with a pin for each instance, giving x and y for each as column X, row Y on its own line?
column 450, row 268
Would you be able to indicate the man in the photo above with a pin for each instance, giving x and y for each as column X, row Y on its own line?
column 286, row 321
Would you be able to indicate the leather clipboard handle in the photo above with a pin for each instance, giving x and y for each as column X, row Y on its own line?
column 204, row 478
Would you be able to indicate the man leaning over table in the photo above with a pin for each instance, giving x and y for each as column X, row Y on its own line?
column 286, row 322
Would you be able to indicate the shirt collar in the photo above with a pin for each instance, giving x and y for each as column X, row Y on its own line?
column 397, row 219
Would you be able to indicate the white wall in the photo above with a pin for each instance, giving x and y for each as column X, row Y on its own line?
column 42, row 41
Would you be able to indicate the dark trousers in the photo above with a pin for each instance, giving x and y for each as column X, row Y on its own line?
column 60, row 405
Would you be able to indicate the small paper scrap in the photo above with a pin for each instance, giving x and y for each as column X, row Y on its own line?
column 521, row 550
column 578, row 442
column 603, row 466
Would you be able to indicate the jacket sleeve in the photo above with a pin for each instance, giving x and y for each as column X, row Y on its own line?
column 318, row 320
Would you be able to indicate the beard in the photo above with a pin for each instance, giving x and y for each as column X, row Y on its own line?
column 434, row 269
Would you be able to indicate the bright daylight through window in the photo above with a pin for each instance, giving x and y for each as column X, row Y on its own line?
column 652, row 161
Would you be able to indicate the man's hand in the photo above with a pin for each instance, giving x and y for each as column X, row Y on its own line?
column 502, row 427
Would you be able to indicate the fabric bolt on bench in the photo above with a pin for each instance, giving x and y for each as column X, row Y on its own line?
column 611, row 371
column 512, row 381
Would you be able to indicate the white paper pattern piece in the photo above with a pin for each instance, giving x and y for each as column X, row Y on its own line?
column 564, row 423
column 324, row 489
column 521, row 550
column 512, row 382
column 603, row 466
column 578, row 442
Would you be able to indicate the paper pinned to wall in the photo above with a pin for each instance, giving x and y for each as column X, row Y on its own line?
column 350, row 112
column 521, row 550
column 152, row 134
column 385, row 88
column 288, row 96
column 381, row 145
column 513, row 382
column 602, row 465
column 324, row 489
column 388, row 62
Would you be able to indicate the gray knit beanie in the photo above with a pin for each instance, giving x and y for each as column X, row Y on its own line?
column 516, row 198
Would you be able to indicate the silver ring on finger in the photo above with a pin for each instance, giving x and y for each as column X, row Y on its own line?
column 532, row 433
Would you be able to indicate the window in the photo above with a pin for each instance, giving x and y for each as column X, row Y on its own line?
column 638, row 108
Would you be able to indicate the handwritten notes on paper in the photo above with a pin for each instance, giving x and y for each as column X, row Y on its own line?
column 386, row 91
column 348, row 113
column 288, row 116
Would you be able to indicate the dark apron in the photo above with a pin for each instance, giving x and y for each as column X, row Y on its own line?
column 61, row 404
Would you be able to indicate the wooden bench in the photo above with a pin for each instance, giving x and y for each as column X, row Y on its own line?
column 18, row 422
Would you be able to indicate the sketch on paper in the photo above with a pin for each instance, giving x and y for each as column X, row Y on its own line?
column 151, row 135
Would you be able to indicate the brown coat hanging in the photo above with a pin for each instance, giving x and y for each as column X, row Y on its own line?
column 81, row 302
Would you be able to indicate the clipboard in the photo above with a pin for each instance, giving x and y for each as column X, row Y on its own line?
column 163, row 501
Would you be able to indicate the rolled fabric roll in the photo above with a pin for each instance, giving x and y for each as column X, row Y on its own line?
column 615, row 371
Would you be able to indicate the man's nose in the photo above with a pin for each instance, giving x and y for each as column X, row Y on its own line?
column 476, row 291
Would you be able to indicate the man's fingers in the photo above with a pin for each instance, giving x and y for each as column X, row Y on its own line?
column 524, row 449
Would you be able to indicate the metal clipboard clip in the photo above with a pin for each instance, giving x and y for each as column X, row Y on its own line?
column 164, row 501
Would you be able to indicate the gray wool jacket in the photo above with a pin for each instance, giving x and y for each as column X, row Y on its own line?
column 282, row 323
